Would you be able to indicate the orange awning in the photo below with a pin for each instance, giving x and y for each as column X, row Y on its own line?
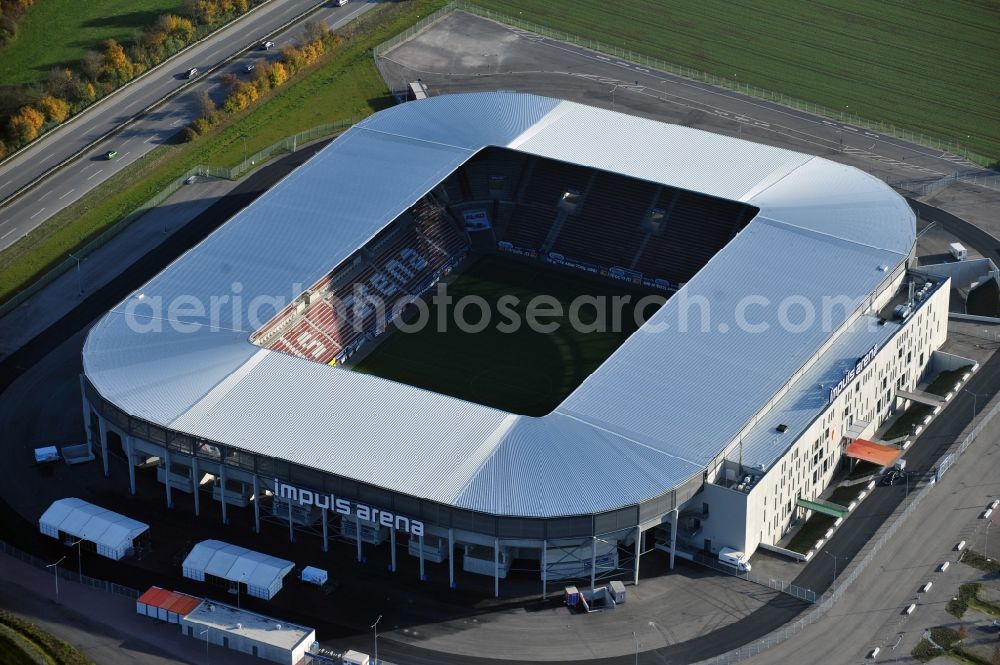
column 171, row 601
column 873, row 452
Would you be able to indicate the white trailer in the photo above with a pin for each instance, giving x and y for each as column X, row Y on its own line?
column 958, row 251
column 738, row 560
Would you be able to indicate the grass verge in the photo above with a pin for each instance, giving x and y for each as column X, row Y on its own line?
column 977, row 560
column 945, row 382
column 882, row 61
column 907, row 421
column 843, row 495
column 50, row 647
column 810, row 532
column 967, row 594
column 344, row 84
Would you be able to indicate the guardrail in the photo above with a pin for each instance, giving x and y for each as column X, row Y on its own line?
column 176, row 91
column 289, row 144
column 890, row 129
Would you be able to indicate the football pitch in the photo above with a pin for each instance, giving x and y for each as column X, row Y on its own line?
column 514, row 368
column 924, row 66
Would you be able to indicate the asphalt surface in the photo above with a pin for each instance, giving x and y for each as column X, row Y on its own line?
column 20, row 216
column 816, row 575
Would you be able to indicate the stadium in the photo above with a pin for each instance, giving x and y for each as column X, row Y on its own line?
column 270, row 362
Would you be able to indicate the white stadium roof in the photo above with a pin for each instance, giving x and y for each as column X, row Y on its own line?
column 653, row 415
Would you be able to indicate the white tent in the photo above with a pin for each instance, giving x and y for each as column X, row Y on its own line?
column 112, row 534
column 261, row 573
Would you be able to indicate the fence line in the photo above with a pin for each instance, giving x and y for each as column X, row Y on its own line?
column 67, row 573
column 286, row 145
column 890, row 129
column 817, row 612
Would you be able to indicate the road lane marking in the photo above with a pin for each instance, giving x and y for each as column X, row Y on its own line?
column 6, row 234
column 6, row 183
column 126, row 154
column 42, row 197
column 67, row 194
column 95, row 174
column 37, row 213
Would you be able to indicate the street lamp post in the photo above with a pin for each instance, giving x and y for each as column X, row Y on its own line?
column 617, row 85
column 205, row 633
column 238, row 585
column 975, row 401
column 835, row 559
column 79, row 277
column 55, row 569
column 79, row 556
column 244, row 137
column 636, row 638
column 375, row 627
column 986, row 545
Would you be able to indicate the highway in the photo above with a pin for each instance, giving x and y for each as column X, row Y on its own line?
column 23, row 214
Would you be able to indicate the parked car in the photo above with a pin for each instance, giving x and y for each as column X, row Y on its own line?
column 110, row 154
column 249, row 67
column 266, row 45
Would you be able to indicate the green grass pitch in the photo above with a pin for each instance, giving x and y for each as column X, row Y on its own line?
column 525, row 371
column 926, row 66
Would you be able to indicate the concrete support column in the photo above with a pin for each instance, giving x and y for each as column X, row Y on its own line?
column 638, row 551
column 392, row 546
column 674, row 516
column 545, row 569
column 130, row 454
column 103, row 432
column 222, row 491
column 86, row 417
column 166, row 476
column 256, row 504
column 291, row 526
column 423, row 576
column 593, row 563
column 195, row 477
column 357, row 531
column 326, row 533
column 496, row 567
column 451, row 558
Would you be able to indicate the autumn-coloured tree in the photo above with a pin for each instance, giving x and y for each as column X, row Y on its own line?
column 293, row 58
column 278, row 74
column 117, row 66
column 24, row 125
column 174, row 26
column 54, row 108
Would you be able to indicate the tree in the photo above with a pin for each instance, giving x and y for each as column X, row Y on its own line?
column 24, row 125
column 278, row 74
column 996, row 656
column 3, row 150
column 314, row 29
column 962, row 632
column 54, row 108
column 206, row 105
column 92, row 65
column 117, row 66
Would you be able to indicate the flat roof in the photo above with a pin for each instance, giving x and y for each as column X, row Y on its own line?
column 633, row 430
column 249, row 625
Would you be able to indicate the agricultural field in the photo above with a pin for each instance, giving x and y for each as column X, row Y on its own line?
column 927, row 67
column 59, row 32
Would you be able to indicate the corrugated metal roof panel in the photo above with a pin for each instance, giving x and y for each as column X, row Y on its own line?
column 824, row 229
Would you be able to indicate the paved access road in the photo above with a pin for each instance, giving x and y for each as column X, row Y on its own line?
column 23, row 214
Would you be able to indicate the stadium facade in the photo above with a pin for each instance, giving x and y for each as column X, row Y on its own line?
column 700, row 439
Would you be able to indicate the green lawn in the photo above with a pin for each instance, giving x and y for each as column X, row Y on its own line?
column 926, row 66
column 59, row 32
column 811, row 531
column 343, row 86
column 524, row 371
